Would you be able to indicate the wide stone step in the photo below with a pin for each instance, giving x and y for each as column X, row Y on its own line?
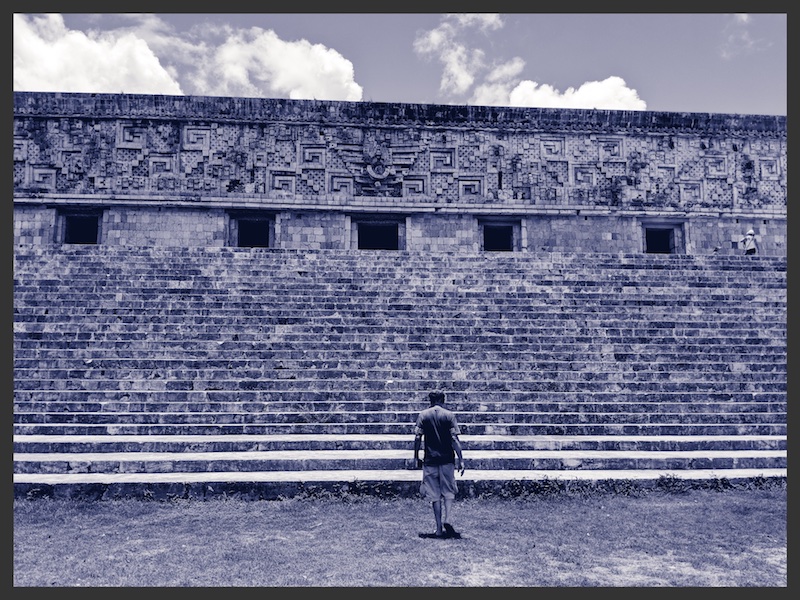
column 230, row 350
column 364, row 266
column 417, row 346
column 272, row 359
column 315, row 460
column 57, row 367
column 361, row 382
column 280, row 484
column 254, row 442
column 523, row 350
column 138, row 400
column 415, row 277
column 745, row 340
column 394, row 406
column 606, row 365
column 557, row 421
column 384, row 300
column 527, row 320
column 415, row 270
column 597, row 304
column 417, row 281
column 481, row 329
column 315, row 335
column 207, row 260
column 548, row 309
column 360, row 265
column 293, row 380
column 388, row 290
column 510, row 293
column 539, row 311
column 418, row 351
column 394, row 427
column 209, row 263
column 753, row 338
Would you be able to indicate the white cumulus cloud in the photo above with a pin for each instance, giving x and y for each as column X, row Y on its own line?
column 610, row 94
column 499, row 83
column 483, row 21
column 497, row 86
column 460, row 64
column 146, row 55
column 48, row 57
column 256, row 62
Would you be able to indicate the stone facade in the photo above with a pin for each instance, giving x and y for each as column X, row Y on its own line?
column 192, row 274
column 185, row 171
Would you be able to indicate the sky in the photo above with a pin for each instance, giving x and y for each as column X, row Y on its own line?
column 675, row 62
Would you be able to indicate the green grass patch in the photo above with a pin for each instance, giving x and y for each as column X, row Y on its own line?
column 664, row 536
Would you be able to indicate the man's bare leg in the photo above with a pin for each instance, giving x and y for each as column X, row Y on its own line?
column 437, row 514
column 447, row 511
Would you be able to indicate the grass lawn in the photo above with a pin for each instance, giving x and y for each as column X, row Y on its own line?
column 696, row 538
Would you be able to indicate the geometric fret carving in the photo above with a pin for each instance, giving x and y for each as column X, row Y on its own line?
column 716, row 166
column 43, row 177
column 283, row 182
column 130, row 136
column 610, row 149
column 413, row 186
column 691, row 191
column 314, row 155
column 770, row 168
column 470, row 187
column 197, row 138
column 442, row 159
column 502, row 163
column 583, row 175
column 342, row 184
column 552, row 147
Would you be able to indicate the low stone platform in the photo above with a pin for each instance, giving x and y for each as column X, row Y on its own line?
column 266, row 466
column 310, row 484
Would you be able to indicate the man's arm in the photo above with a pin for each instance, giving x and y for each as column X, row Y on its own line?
column 459, row 453
column 417, row 445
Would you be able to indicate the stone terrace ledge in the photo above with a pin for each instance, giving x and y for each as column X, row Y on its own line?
column 229, row 109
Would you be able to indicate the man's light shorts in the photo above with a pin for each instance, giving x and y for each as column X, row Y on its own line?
column 439, row 481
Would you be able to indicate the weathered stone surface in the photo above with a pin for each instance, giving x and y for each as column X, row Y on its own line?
column 583, row 174
column 166, row 328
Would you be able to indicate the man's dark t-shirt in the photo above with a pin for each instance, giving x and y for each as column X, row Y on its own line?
column 438, row 425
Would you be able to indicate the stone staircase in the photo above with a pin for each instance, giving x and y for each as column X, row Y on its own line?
column 175, row 371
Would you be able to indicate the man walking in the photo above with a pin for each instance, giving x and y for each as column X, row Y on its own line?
column 440, row 430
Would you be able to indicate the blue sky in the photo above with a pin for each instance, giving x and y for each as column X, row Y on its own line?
column 681, row 62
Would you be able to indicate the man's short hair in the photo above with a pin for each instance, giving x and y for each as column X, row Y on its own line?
column 436, row 397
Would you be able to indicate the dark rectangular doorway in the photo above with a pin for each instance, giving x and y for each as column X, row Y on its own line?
column 253, row 233
column 81, row 229
column 378, row 236
column 498, row 238
column 660, row 241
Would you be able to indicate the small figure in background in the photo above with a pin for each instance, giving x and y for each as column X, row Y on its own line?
column 749, row 241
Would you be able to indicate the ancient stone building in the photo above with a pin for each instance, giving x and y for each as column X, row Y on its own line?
column 240, row 295
column 158, row 170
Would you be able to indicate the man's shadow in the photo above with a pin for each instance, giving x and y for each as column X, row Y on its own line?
column 444, row 536
column 448, row 534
